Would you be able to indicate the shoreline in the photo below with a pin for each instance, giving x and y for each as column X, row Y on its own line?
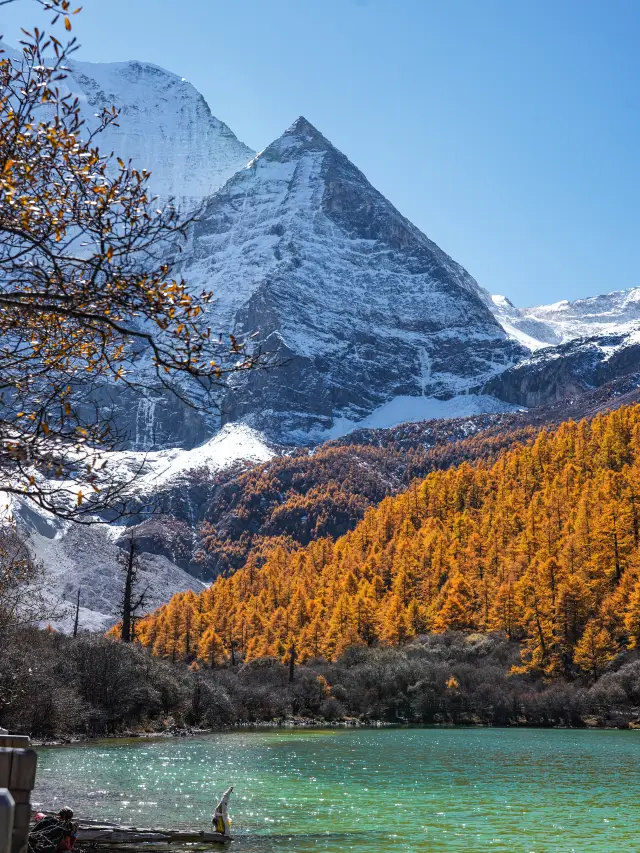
column 190, row 732
column 194, row 732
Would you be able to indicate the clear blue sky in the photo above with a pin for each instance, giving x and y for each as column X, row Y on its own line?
column 508, row 130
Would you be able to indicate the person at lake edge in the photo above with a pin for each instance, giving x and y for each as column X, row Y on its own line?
column 53, row 833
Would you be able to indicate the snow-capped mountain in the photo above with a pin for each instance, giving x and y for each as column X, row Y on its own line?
column 164, row 126
column 550, row 325
column 357, row 305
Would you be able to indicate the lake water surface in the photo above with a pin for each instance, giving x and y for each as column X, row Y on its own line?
column 426, row 790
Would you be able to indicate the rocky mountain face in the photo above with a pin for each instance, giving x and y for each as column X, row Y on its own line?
column 356, row 305
column 357, row 308
column 166, row 126
column 554, row 374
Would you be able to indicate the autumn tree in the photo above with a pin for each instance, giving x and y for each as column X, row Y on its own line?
column 594, row 650
column 210, row 648
column 630, row 606
column 457, row 610
column 87, row 292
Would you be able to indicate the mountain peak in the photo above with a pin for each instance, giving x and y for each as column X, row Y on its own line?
column 164, row 124
column 300, row 136
column 307, row 257
column 302, row 127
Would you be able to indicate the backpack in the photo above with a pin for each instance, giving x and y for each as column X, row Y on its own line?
column 46, row 835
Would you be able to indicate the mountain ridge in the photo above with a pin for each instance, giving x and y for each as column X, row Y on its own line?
column 560, row 322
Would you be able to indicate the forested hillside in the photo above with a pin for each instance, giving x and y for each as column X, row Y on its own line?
column 297, row 498
column 541, row 544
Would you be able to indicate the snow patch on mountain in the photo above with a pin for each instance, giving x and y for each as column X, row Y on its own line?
column 404, row 409
column 631, row 338
column 158, row 470
column 553, row 374
column 550, row 325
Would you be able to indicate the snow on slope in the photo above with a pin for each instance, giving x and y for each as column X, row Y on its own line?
column 405, row 409
column 165, row 126
column 549, row 325
column 158, row 470
column 610, row 313
column 529, row 332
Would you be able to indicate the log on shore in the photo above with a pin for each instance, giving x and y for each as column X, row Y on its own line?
column 110, row 834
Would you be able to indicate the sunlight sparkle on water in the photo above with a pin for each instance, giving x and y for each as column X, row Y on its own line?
column 422, row 790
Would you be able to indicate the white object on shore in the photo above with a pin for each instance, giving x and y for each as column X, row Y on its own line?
column 220, row 819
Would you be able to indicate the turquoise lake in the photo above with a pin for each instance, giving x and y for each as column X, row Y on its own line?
column 426, row 790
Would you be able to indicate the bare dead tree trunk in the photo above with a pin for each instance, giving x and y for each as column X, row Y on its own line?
column 292, row 663
column 128, row 593
column 77, row 616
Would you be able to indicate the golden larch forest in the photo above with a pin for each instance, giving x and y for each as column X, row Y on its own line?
column 542, row 544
